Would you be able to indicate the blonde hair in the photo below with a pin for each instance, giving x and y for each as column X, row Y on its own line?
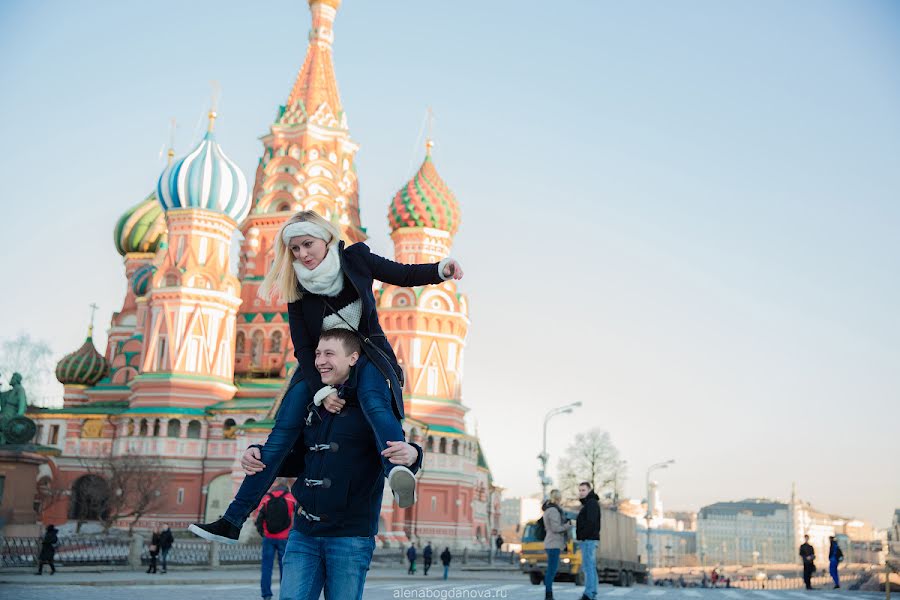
column 555, row 496
column 280, row 282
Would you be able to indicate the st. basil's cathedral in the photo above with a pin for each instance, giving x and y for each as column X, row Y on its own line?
column 195, row 362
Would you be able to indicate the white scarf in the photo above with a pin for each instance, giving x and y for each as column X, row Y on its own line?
column 326, row 279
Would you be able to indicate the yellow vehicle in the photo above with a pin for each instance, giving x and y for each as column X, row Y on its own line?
column 617, row 558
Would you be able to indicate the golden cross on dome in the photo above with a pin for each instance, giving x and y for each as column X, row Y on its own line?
column 94, row 308
column 429, row 140
column 216, row 93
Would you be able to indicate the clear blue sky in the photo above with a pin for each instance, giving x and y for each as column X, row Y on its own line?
column 683, row 214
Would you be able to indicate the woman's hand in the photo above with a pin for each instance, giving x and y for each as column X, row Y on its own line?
column 250, row 461
column 333, row 404
column 401, row 453
column 453, row 270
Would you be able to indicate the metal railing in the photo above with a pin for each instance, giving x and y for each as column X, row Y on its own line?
column 73, row 550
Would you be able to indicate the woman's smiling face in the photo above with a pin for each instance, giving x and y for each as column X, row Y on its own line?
column 309, row 251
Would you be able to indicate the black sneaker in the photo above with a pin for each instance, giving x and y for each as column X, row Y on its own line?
column 218, row 531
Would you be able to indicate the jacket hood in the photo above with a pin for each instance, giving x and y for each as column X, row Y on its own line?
column 591, row 496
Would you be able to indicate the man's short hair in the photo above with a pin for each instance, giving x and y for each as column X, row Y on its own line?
column 348, row 339
column 587, row 484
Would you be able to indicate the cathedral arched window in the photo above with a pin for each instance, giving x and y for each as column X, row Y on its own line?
column 143, row 427
column 429, row 444
column 455, row 447
column 228, row 428
column 256, row 348
column 193, row 431
column 173, row 430
column 442, row 446
column 275, row 344
column 156, row 428
column 240, row 343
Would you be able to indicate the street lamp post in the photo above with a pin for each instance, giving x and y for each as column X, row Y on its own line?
column 654, row 467
column 545, row 481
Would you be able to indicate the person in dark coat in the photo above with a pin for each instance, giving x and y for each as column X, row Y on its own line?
column 587, row 531
column 326, row 285
column 48, row 550
column 835, row 557
column 411, row 557
column 808, row 556
column 166, row 540
column 498, row 543
column 426, row 558
column 340, row 485
column 155, row 540
column 446, row 557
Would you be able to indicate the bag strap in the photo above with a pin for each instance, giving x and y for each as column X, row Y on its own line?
column 364, row 339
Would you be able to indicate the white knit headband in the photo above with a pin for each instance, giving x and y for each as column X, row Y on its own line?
column 304, row 228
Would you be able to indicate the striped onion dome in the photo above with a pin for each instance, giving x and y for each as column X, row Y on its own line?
column 85, row 366
column 142, row 228
column 205, row 178
column 140, row 280
column 425, row 201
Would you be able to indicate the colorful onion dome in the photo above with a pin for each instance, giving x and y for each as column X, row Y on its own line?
column 85, row 366
column 142, row 228
column 140, row 280
column 425, row 201
column 205, row 178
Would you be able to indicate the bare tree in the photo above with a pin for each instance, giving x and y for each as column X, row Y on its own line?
column 134, row 486
column 33, row 359
column 594, row 458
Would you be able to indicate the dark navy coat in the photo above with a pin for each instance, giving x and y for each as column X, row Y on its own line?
column 361, row 267
column 341, row 482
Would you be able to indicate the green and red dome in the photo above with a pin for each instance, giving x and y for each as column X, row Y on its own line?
column 425, row 201
column 142, row 228
column 85, row 366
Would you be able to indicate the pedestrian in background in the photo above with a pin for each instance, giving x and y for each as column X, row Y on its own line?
column 835, row 556
column 166, row 539
column 48, row 549
column 411, row 557
column 154, row 548
column 555, row 524
column 808, row 556
column 498, row 543
column 274, row 519
column 426, row 558
column 446, row 557
column 587, row 531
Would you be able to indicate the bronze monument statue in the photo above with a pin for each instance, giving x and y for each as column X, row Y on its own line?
column 15, row 427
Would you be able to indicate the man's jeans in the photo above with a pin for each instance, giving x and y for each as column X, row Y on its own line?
column 164, row 553
column 288, row 424
column 589, row 567
column 833, row 570
column 270, row 547
column 552, row 567
column 339, row 564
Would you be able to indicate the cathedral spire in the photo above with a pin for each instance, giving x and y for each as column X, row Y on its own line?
column 315, row 89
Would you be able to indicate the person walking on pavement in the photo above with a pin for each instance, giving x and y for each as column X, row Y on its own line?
column 498, row 544
column 154, row 549
column 587, row 531
column 555, row 524
column 166, row 539
column 426, row 558
column 835, row 556
column 273, row 522
column 808, row 556
column 411, row 557
column 446, row 557
column 48, row 549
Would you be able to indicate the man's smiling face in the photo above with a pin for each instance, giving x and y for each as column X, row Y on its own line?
column 333, row 362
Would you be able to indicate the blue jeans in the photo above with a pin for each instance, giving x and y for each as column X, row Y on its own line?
column 339, row 564
column 589, row 567
column 552, row 568
column 376, row 401
column 269, row 548
column 288, row 425
column 832, row 568
column 446, row 571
